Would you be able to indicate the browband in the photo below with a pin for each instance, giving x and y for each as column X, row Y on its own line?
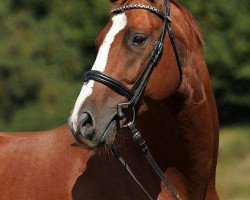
column 144, row 7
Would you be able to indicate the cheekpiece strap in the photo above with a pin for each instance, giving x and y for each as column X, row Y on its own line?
column 141, row 6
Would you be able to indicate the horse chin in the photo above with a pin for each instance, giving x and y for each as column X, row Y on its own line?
column 105, row 140
column 108, row 137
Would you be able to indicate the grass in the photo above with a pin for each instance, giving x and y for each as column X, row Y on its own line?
column 233, row 172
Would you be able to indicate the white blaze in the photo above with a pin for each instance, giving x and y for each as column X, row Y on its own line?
column 119, row 23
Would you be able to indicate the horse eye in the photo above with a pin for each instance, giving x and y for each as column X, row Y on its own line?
column 139, row 39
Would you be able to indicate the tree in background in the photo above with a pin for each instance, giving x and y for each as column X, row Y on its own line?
column 46, row 45
column 225, row 26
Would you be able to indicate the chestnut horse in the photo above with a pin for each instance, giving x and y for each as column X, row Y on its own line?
column 177, row 117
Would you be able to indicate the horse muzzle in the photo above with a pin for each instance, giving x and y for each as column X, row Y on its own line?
column 86, row 132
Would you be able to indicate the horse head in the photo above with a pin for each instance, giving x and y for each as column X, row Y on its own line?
column 126, row 46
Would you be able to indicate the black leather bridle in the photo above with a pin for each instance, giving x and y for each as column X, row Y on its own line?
column 134, row 95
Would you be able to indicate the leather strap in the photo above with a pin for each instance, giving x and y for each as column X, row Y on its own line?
column 140, row 6
column 177, row 53
column 108, row 81
column 117, row 155
column 144, row 148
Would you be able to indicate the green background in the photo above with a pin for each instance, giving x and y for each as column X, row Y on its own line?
column 47, row 45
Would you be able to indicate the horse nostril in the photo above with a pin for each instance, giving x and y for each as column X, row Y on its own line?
column 86, row 128
column 84, row 117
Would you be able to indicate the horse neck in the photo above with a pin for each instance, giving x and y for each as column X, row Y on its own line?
column 171, row 125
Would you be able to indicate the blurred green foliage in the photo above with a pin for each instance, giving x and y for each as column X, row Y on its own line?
column 225, row 27
column 46, row 45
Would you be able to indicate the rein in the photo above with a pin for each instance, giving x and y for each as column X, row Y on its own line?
column 134, row 95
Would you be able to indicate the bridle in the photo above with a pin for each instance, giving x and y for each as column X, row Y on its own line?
column 134, row 95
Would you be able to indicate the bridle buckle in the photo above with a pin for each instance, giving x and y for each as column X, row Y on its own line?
column 121, row 116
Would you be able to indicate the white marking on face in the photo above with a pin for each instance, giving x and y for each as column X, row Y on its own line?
column 119, row 23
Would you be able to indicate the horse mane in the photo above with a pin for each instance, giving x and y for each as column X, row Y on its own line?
column 192, row 23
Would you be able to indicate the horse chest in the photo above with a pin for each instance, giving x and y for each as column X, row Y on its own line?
column 38, row 168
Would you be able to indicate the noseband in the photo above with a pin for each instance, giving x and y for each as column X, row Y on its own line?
column 134, row 95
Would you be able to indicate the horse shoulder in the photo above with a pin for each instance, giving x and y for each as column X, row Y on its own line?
column 42, row 165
